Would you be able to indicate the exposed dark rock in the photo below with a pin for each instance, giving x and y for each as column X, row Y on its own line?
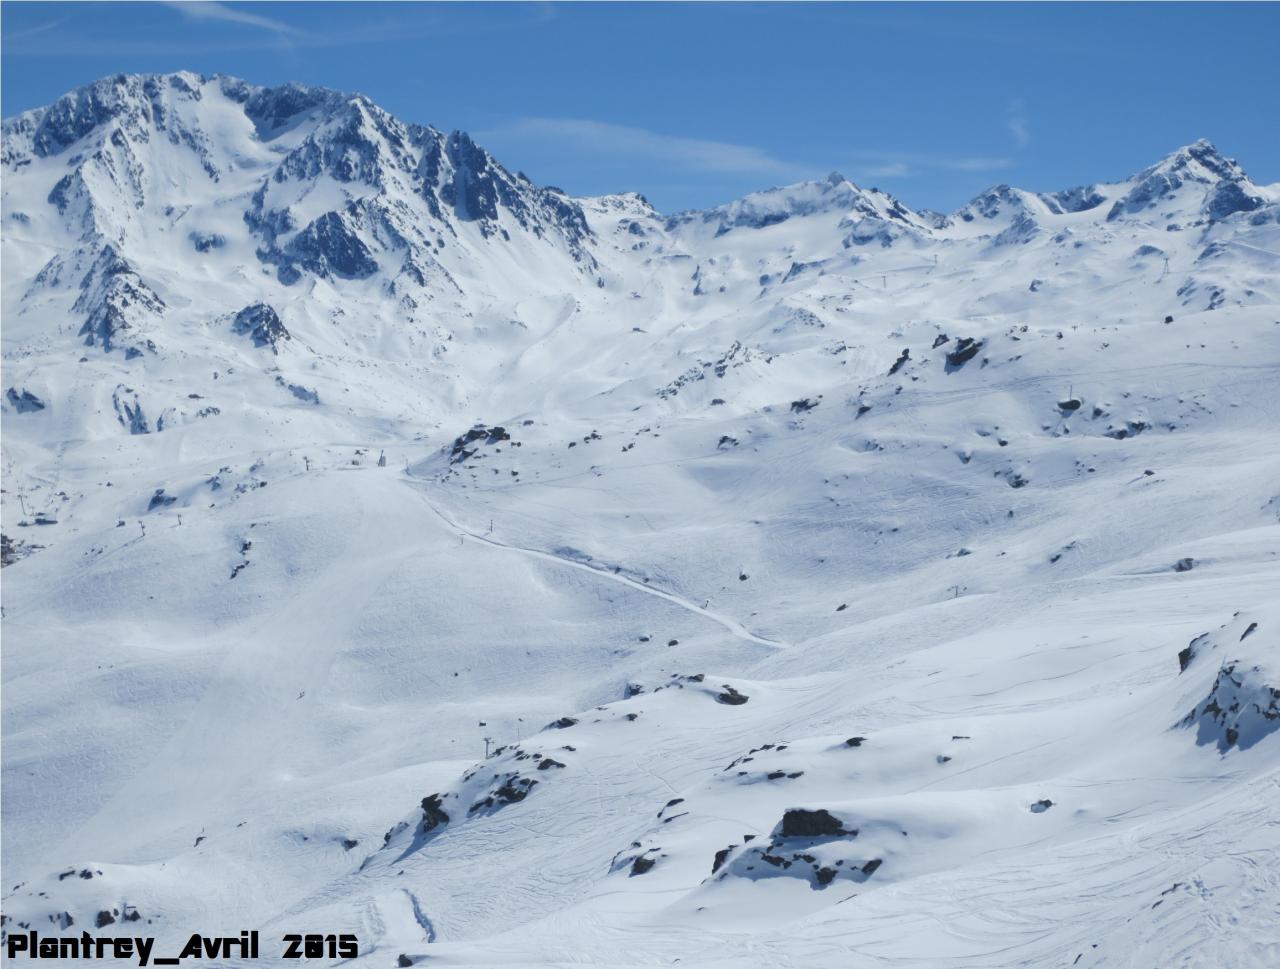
column 481, row 434
column 159, row 499
column 1227, row 198
column 512, row 790
column 329, row 246
column 966, row 349
column 1240, row 710
column 304, row 394
column 731, row 696
column 1184, row 565
column 129, row 410
column 263, row 325
column 721, row 856
column 1131, row 429
column 116, row 300
column 804, row 823
column 433, row 815
column 25, row 402
column 901, row 361
column 562, row 723
column 206, row 241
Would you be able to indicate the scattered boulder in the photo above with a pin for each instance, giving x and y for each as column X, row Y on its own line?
column 966, row 349
column 304, row 394
column 805, row 823
column 433, row 815
column 159, row 500
column 24, row 402
column 731, row 696
column 481, row 434
column 512, row 789
column 1130, row 429
column 206, row 241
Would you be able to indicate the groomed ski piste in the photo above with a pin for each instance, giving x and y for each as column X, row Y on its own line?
column 830, row 583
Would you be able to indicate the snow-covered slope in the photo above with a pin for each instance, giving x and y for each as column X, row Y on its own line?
column 832, row 583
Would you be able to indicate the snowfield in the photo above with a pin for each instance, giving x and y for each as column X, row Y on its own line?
column 829, row 583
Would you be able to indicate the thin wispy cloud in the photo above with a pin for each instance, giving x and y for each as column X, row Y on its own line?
column 895, row 169
column 428, row 22
column 1016, row 122
column 221, row 12
column 603, row 138
column 33, row 31
column 909, row 164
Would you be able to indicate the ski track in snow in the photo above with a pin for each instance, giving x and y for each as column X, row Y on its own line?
column 732, row 625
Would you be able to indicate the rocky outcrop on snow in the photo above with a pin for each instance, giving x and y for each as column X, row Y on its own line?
column 119, row 305
column 261, row 324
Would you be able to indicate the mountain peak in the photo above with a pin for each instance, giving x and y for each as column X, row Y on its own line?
column 1211, row 184
column 1202, row 161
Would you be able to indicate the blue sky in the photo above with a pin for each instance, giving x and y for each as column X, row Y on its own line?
column 694, row 105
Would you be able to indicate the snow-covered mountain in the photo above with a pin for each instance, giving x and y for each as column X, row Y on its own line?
column 398, row 547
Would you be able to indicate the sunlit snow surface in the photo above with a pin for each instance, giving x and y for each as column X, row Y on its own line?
column 1012, row 619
